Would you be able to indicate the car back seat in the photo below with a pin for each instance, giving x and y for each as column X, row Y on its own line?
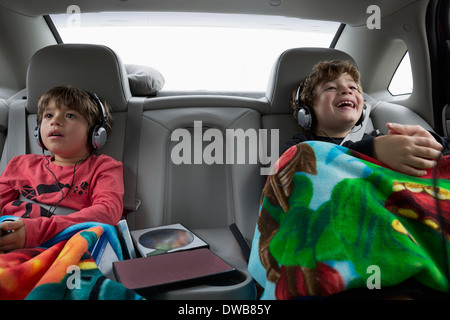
column 205, row 198
column 383, row 112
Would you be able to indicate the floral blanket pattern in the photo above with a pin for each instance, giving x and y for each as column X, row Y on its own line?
column 48, row 272
column 330, row 217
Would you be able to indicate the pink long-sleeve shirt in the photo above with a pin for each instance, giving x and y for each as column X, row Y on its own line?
column 94, row 189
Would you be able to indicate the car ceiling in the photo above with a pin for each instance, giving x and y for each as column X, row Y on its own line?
column 352, row 12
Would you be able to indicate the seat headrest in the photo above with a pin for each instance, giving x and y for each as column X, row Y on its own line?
column 94, row 68
column 293, row 66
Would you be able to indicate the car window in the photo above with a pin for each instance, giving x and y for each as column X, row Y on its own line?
column 402, row 81
column 198, row 51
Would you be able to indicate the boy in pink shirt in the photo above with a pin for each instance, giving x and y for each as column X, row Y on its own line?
column 72, row 125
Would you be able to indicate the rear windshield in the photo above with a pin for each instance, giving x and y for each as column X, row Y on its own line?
column 206, row 52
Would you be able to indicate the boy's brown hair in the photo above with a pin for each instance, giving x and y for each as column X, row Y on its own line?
column 322, row 72
column 78, row 100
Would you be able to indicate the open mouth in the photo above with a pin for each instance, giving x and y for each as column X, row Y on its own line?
column 346, row 104
column 55, row 134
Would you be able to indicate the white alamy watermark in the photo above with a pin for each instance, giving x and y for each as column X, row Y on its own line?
column 374, row 20
column 374, row 280
column 74, row 20
column 234, row 146
column 74, row 280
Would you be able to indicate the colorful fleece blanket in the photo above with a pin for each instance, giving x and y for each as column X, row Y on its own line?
column 62, row 269
column 332, row 220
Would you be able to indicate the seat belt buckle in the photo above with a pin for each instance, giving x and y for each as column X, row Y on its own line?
column 127, row 208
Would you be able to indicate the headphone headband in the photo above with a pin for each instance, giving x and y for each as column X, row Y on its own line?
column 100, row 105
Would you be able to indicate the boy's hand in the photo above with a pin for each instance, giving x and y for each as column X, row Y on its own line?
column 408, row 149
column 14, row 239
column 408, row 130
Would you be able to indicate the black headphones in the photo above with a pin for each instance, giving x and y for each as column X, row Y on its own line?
column 305, row 114
column 98, row 135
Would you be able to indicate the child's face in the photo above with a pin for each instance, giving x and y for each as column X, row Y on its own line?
column 64, row 132
column 338, row 106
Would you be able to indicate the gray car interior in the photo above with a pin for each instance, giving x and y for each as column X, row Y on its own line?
column 206, row 198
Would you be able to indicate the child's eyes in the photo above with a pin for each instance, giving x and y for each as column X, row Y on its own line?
column 68, row 115
column 333, row 88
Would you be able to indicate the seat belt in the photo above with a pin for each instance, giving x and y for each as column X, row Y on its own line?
column 56, row 210
column 131, row 152
column 16, row 138
column 4, row 126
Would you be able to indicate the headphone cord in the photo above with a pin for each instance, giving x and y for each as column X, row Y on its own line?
column 53, row 207
column 343, row 139
column 335, row 142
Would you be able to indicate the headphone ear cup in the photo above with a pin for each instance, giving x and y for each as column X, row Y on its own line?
column 304, row 114
column 99, row 137
column 363, row 116
column 98, row 134
column 304, row 117
column 37, row 136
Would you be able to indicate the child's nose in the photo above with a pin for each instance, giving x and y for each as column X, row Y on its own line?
column 56, row 120
column 347, row 91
